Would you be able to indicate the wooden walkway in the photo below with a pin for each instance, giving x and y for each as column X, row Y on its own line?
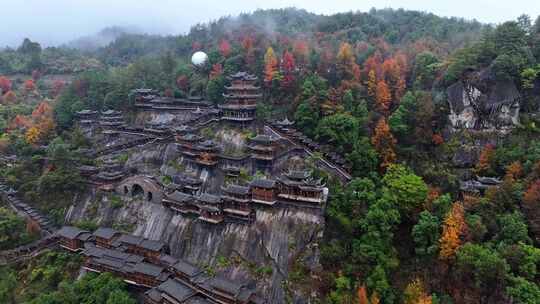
column 24, row 210
column 324, row 163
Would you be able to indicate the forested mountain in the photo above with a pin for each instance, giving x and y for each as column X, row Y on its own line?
column 375, row 87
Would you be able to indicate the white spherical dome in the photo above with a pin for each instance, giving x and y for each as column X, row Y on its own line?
column 199, row 58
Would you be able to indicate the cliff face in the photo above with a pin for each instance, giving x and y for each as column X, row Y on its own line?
column 281, row 240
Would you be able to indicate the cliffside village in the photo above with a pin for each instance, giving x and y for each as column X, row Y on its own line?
column 184, row 194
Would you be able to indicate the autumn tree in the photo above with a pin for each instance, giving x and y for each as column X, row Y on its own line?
column 384, row 143
column 248, row 47
column 415, row 293
column 372, row 84
column 32, row 135
column 9, row 98
column 362, row 295
column 301, row 51
column 5, row 85
column 19, row 122
column 29, row 85
column 454, row 227
column 225, row 48
column 531, row 207
column 57, row 88
column 288, row 68
column 485, row 161
column 383, row 97
column 513, row 171
column 346, row 62
column 270, row 66
column 217, row 70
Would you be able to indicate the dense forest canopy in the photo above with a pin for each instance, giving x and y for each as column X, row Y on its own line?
column 372, row 85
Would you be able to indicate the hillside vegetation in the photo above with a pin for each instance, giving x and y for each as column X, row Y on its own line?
column 373, row 86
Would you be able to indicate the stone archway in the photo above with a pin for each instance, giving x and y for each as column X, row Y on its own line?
column 142, row 186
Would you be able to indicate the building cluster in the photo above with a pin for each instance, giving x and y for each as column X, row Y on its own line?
column 146, row 264
column 237, row 202
column 263, row 150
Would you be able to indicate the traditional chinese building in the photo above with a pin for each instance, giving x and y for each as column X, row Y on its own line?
column 211, row 208
column 149, row 249
column 187, row 144
column 263, row 191
column 298, row 186
column 263, row 149
column 226, row 291
column 181, row 202
column 187, row 184
column 241, row 98
column 72, row 238
column 111, row 171
column 105, row 237
column 186, row 272
column 237, row 202
column 111, row 119
column 87, row 118
column 207, row 153
column 171, row 291
column 130, row 267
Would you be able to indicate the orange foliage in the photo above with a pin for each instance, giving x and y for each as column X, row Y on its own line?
column 372, row 84
column 57, row 88
column 288, row 68
column 437, row 139
column 531, row 197
column 362, row 295
column 9, row 97
column 29, row 85
column 485, row 160
column 383, row 97
column 374, row 298
column 270, row 65
column 217, row 70
column 42, row 110
column 225, row 48
column 32, row 135
column 454, row 227
column 19, row 122
column 247, row 43
column 383, row 141
column 415, row 293
column 301, row 51
column 374, row 63
column 513, row 171
column 5, row 84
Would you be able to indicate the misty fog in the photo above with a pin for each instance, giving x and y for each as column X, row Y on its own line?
column 56, row 22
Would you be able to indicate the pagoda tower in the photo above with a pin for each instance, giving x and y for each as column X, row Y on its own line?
column 241, row 98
